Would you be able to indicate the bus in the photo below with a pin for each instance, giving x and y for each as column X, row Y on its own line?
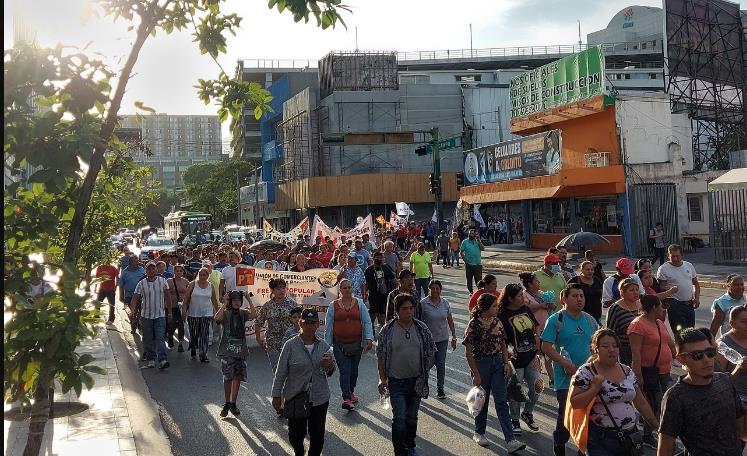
column 187, row 223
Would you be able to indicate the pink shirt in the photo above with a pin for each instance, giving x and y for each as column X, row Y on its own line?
column 540, row 314
column 651, row 342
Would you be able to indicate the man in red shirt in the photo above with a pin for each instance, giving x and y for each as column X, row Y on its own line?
column 108, row 274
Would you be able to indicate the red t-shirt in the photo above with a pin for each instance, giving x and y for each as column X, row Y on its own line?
column 108, row 271
column 477, row 294
column 324, row 259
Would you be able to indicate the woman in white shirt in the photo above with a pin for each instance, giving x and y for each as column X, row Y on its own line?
column 200, row 304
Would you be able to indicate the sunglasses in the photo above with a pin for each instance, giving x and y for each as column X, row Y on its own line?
column 697, row 355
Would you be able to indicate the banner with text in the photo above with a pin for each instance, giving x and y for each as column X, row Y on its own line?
column 535, row 155
column 300, row 230
column 565, row 81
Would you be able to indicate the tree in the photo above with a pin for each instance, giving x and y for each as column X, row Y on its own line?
column 75, row 126
column 212, row 187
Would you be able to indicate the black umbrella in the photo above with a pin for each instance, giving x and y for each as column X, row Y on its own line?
column 267, row 245
column 583, row 238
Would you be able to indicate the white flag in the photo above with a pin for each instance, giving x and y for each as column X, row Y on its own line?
column 478, row 217
column 403, row 209
column 435, row 216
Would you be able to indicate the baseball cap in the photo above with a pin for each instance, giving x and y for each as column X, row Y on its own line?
column 551, row 258
column 624, row 265
column 405, row 273
column 309, row 315
column 236, row 294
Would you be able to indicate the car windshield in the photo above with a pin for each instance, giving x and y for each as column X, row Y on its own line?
column 159, row 242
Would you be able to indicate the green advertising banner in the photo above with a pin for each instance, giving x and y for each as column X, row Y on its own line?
column 568, row 80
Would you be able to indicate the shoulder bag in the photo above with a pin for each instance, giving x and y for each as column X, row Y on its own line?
column 651, row 374
column 631, row 441
column 299, row 406
column 577, row 421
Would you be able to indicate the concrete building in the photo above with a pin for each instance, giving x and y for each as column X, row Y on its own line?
column 175, row 142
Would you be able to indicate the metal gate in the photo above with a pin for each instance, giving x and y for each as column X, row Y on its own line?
column 729, row 226
column 650, row 204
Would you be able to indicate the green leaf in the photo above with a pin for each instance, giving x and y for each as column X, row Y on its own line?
column 85, row 359
column 257, row 112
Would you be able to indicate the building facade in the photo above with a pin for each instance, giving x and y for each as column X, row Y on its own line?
column 174, row 142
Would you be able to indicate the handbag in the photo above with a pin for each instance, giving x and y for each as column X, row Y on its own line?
column 651, row 374
column 631, row 442
column 350, row 349
column 577, row 421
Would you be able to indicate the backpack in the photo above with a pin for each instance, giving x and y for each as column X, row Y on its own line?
column 559, row 322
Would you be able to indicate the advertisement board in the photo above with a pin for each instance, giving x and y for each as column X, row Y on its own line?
column 565, row 81
column 535, row 155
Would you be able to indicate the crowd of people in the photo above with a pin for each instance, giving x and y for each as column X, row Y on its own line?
column 615, row 366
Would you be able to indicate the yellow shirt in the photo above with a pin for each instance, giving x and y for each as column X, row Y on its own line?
column 419, row 265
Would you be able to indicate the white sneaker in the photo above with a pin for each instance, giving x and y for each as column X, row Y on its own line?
column 480, row 439
column 514, row 445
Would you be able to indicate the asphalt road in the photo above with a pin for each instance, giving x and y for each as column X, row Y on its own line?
column 190, row 395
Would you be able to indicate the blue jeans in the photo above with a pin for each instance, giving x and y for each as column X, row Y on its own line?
column 154, row 327
column 490, row 369
column 441, row 349
column 454, row 254
column 560, row 435
column 348, row 368
column 530, row 375
column 405, row 404
column 274, row 357
column 421, row 285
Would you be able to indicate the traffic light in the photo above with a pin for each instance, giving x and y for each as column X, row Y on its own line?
column 459, row 181
column 435, row 184
column 421, row 150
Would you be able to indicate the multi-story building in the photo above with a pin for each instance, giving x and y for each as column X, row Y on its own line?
column 174, row 142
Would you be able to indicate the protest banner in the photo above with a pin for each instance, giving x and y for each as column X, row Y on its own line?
column 319, row 228
column 364, row 227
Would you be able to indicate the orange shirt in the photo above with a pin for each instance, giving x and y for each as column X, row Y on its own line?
column 347, row 325
column 477, row 294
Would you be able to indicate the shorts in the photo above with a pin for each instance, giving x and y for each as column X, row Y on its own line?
column 377, row 304
column 233, row 368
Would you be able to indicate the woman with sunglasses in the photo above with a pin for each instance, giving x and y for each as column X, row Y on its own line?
column 522, row 332
column 614, row 387
column 621, row 313
column 652, row 351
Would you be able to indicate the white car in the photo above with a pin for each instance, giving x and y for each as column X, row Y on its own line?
column 234, row 236
column 155, row 244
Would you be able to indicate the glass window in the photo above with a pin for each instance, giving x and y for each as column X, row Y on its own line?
column 598, row 215
column 551, row 216
column 694, row 209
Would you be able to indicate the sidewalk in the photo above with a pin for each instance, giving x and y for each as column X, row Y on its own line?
column 518, row 258
column 110, row 414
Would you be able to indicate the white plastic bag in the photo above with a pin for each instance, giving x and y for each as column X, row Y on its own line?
column 475, row 400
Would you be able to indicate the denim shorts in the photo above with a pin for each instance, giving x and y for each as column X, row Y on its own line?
column 233, row 368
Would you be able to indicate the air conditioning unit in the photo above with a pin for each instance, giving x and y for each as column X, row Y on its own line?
column 597, row 159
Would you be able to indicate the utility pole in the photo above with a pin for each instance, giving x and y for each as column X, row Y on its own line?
column 438, row 193
column 471, row 52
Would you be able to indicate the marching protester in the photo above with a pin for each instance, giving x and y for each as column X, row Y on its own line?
column 422, row 266
column 107, row 286
column 442, row 242
column 610, row 287
column 406, row 285
column 736, row 339
column 454, row 245
column 200, row 304
column 541, row 311
column 152, row 293
column 488, row 285
column 551, row 278
column 613, row 385
column 347, row 328
column 300, row 380
column 228, row 275
column 471, row 252
column 652, row 350
column 522, row 334
column 405, row 354
column 353, row 272
column 178, row 289
column 436, row 313
column 566, row 340
column 488, row 360
column 232, row 348
column 598, row 271
column 734, row 297
column 702, row 408
column 680, row 273
column 621, row 313
column 276, row 312
column 380, row 280
column 128, row 280
column 592, row 290
column 391, row 258
column 565, row 268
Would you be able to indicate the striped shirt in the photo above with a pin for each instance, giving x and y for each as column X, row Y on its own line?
column 152, row 297
column 618, row 320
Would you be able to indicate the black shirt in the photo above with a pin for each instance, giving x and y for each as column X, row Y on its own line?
column 520, row 326
column 592, row 297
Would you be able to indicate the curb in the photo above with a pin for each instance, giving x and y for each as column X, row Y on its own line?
column 145, row 420
column 526, row 267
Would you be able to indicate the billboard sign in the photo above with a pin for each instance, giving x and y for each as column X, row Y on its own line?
column 535, row 155
column 565, row 81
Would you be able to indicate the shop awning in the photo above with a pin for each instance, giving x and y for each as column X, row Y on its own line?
column 735, row 179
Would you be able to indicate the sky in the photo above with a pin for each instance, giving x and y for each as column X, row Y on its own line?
column 169, row 65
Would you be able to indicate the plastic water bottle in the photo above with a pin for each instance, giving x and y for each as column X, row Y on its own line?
column 386, row 404
column 564, row 353
column 730, row 354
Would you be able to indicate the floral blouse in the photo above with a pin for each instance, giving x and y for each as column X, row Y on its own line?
column 484, row 342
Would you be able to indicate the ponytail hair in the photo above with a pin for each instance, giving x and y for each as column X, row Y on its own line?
column 484, row 302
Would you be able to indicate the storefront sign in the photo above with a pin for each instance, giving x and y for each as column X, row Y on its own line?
column 535, row 155
column 568, row 80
